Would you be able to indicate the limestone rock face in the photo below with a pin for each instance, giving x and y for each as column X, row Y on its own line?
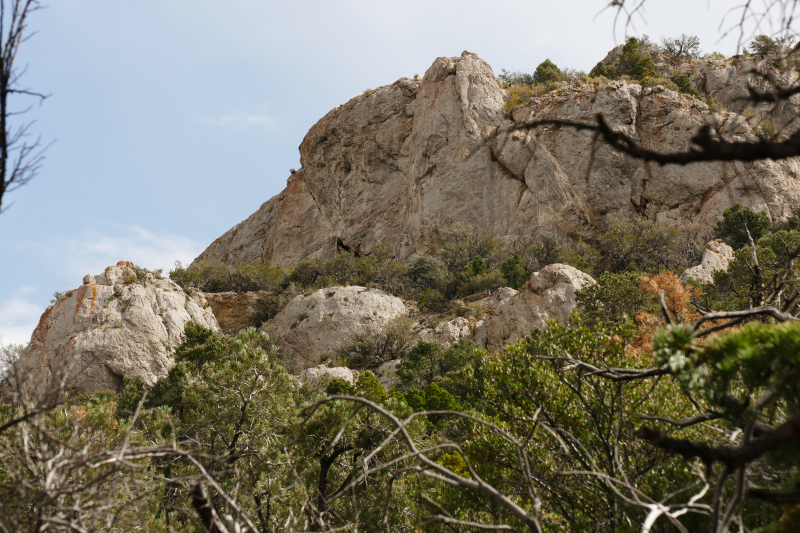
column 550, row 161
column 447, row 333
column 233, row 310
column 727, row 81
column 387, row 373
column 115, row 325
column 320, row 376
column 549, row 295
column 717, row 256
column 399, row 164
column 321, row 321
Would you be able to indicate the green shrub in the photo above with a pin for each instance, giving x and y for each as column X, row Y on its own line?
column 462, row 244
column 482, row 282
column 640, row 244
column 515, row 79
column 520, row 390
column 735, row 223
column 547, row 72
column 736, row 288
column 514, row 271
column 374, row 345
column 427, row 271
column 766, row 45
column 579, row 254
column 340, row 386
column 218, row 277
column 600, row 69
column 633, row 63
column 429, row 362
column 685, row 85
column 370, row 388
column 432, row 299
column 615, row 298
column 519, row 96
column 438, row 399
column 476, row 267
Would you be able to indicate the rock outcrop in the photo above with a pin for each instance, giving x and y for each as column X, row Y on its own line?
column 319, row 376
column 118, row 324
column 399, row 164
column 549, row 295
column 717, row 256
column 321, row 321
column 233, row 310
column 728, row 80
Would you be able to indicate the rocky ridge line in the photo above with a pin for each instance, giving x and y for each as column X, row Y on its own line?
column 407, row 160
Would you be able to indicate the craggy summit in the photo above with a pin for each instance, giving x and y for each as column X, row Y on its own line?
column 398, row 164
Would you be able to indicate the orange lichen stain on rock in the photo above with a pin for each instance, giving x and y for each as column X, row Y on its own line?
column 42, row 328
column 125, row 264
column 94, row 297
column 80, row 293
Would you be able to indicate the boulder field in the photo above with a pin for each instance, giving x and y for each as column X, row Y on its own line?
column 126, row 323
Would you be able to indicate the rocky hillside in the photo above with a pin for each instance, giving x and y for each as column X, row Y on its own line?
column 399, row 164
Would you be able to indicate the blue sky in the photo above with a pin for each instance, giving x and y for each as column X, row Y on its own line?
column 173, row 120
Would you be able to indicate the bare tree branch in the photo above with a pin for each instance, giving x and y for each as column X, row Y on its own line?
column 20, row 160
column 731, row 457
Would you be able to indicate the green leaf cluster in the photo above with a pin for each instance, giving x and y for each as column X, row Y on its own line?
column 737, row 221
column 615, row 298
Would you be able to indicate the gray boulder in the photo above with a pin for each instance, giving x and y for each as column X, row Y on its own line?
column 717, row 256
column 549, row 295
column 321, row 321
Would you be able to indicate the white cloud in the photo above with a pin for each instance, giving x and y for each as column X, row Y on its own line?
column 26, row 290
column 91, row 253
column 239, row 120
column 94, row 251
column 18, row 319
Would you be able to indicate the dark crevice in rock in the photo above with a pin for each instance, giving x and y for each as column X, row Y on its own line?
column 341, row 246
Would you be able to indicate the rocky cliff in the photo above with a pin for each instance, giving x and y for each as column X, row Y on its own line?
column 124, row 322
column 398, row 164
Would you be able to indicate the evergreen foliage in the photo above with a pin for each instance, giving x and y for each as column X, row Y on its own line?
column 685, row 85
column 737, row 221
column 634, row 63
column 602, row 70
column 615, row 298
column 765, row 45
column 514, row 271
column 547, row 72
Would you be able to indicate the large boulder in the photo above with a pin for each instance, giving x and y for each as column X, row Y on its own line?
column 549, row 295
column 321, row 321
column 402, row 163
column 717, row 256
column 121, row 323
